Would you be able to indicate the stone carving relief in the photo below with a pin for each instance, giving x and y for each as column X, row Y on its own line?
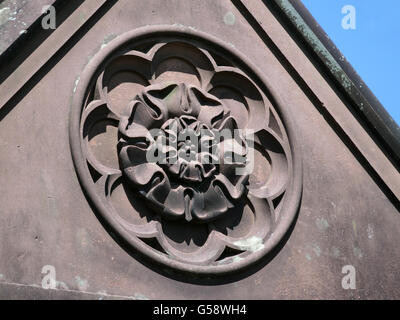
column 194, row 208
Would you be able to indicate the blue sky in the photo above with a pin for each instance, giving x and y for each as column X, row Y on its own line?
column 373, row 48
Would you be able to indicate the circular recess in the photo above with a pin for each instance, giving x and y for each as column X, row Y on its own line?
column 185, row 150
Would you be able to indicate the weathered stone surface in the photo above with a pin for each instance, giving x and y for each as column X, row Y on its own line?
column 15, row 18
column 344, row 218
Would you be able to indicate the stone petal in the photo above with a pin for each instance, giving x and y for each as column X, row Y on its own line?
column 234, row 190
column 142, row 174
column 175, row 203
column 165, row 98
column 209, row 205
column 211, row 115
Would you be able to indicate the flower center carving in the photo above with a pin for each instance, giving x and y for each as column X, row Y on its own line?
column 191, row 155
column 171, row 151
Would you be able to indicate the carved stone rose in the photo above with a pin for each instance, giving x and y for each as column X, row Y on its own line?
column 184, row 150
column 191, row 183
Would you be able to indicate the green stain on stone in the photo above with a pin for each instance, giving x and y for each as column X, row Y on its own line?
column 316, row 44
column 171, row 94
column 229, row 19
column 108, row 39
column 4, row 15
column 357, row 252
column 322, row 224
column 82, row 283
column 252, row 244
column 355, row 228
column 336, row 252
column 139, row 296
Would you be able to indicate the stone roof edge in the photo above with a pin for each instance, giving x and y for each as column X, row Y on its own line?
column 361, row 99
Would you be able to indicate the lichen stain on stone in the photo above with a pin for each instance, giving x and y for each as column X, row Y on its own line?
column 314, row 248
column 61, row 285
column 322, row 224
column 237, row 259
column 139, row 296
column 315, row 43
column 108, row 39
column 317, row 250
column 252, row 244
column 82, row 284
column 357, row 252
column 336, row 252
column 229, row 19
column 83, row 238
column 234, row 259
column 76, row 83
column 370, row 231
column 4, row 15
column 104, row 43
column 354, row 227
column 179, row 25
column 171, row 94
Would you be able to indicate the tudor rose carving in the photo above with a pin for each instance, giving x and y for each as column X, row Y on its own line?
column 146, row 133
